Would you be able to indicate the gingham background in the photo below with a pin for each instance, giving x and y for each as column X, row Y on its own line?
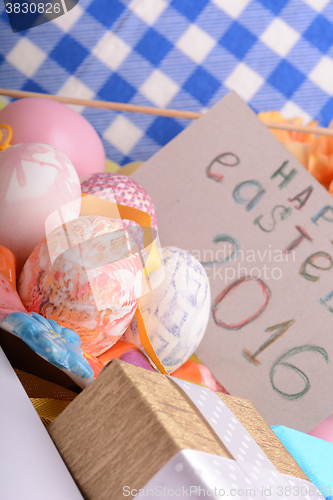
column 182, row 54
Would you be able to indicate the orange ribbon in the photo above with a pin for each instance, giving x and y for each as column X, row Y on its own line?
column 6, row 143
column 8, row 266
column 92, row 205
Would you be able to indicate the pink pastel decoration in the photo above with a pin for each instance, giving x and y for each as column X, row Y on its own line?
column 9, row 300
column 123, row 190
column 50, row 122
column 87, row 276
column 35, row 180
column 324, row 430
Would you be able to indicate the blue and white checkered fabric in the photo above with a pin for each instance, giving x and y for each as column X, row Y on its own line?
column 182, row 54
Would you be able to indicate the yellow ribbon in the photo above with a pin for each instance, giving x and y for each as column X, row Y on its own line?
column 48, row 399
column 6, row 143
column 92, row 205
column 49, row 409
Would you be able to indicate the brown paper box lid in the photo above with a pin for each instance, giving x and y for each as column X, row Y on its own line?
column 129, row 422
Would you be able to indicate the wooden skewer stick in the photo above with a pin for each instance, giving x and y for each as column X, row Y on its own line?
column 290, row 127
column 170, row 113
column 115, row 106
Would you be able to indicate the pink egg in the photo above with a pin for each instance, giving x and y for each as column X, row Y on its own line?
column 123, row 190
column 86, row 277
column 50, row 122
column 35, row 180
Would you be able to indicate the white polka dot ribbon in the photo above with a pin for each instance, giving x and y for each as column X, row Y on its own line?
column 251, row 468
column 196, row 474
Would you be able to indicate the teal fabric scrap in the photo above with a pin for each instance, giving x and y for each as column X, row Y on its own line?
column 313, row 455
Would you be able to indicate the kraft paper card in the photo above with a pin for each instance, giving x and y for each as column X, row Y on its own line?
column 226, row 190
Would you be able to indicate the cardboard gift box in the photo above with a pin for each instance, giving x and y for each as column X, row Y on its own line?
column 124, row 428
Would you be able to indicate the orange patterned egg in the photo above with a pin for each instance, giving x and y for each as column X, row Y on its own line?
column 87, row 276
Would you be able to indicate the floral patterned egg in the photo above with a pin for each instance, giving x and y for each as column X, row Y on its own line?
column 56, row 344
column 35, row 180
column 176, row 312
column 124, row 191
column 87, row 276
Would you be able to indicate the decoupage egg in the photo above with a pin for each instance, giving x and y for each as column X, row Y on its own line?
column 35, row 180
column 122, row 190
column 54, row 343
column 50, row 122
column 86, row 276
column 176, row 312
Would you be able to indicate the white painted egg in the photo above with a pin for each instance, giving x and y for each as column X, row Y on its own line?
column 176, row 313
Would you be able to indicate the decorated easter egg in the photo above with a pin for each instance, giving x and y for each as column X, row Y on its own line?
column 54, row 343
column 87, row 276
column 35, row 180
column 122, row 190
column 176, row 312
column 50, row 122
